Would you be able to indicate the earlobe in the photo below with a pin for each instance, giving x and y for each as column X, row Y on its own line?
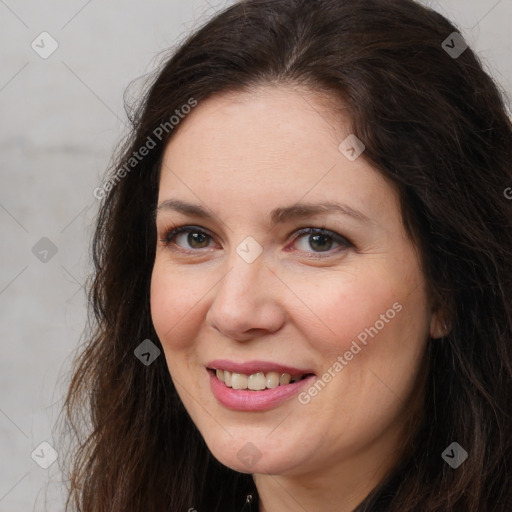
column 439, row 328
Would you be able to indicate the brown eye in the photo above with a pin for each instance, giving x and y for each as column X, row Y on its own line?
column 188, row 237
column 196, row 240
column 320, row 242
column 316, row 240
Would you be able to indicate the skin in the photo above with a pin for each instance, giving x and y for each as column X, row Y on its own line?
column 240, row 156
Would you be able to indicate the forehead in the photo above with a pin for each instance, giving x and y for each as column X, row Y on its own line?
column 261, row 114
column 266, row 147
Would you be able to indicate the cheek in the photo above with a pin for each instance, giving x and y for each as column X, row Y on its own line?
column 343, row 307
column 375, row 320
column 175, row 306
column 371, row 338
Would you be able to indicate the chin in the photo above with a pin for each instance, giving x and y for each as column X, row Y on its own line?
column 263, row 457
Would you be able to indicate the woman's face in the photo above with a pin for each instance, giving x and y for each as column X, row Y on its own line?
column 250, row 291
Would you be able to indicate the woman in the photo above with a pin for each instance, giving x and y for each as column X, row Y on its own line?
column 303, row 297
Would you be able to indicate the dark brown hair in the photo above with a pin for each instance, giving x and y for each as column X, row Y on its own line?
column 433, row 123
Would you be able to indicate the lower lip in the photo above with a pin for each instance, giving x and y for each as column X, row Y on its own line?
column 245, row 400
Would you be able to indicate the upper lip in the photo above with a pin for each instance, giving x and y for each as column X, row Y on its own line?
column 251, row 367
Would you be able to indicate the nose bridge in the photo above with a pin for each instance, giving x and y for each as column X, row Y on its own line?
column 243, row 299
column 242, row 282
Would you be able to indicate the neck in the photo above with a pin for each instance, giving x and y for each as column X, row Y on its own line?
column 342, row 483
column 329, row 491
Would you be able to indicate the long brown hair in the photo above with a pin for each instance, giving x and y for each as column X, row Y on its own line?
column 436, row 125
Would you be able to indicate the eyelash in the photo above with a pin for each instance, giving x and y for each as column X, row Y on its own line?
column 173, row 231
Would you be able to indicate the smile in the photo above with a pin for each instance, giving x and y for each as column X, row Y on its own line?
column 255, row 386
column 256, row 381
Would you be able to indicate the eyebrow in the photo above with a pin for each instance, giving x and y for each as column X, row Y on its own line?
column 276, row 216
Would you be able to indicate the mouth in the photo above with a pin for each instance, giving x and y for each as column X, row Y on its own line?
column 256, row 385
column 257, row 381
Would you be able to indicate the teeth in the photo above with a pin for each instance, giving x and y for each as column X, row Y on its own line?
column 256, row 381
column 285, row 379
column 272, row 380
column 239, row 381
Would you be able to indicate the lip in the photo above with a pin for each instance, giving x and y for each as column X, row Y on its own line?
column 254, row 401
column 251, row 367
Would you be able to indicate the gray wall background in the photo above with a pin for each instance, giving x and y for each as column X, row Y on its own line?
column 61, row 118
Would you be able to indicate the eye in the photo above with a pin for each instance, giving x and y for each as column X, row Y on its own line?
column 313, row 241
column 320, row 240
column 187, row 237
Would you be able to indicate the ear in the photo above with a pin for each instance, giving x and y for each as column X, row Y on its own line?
column 439, row 327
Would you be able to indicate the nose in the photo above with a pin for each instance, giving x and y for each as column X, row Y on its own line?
column 247, row 302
